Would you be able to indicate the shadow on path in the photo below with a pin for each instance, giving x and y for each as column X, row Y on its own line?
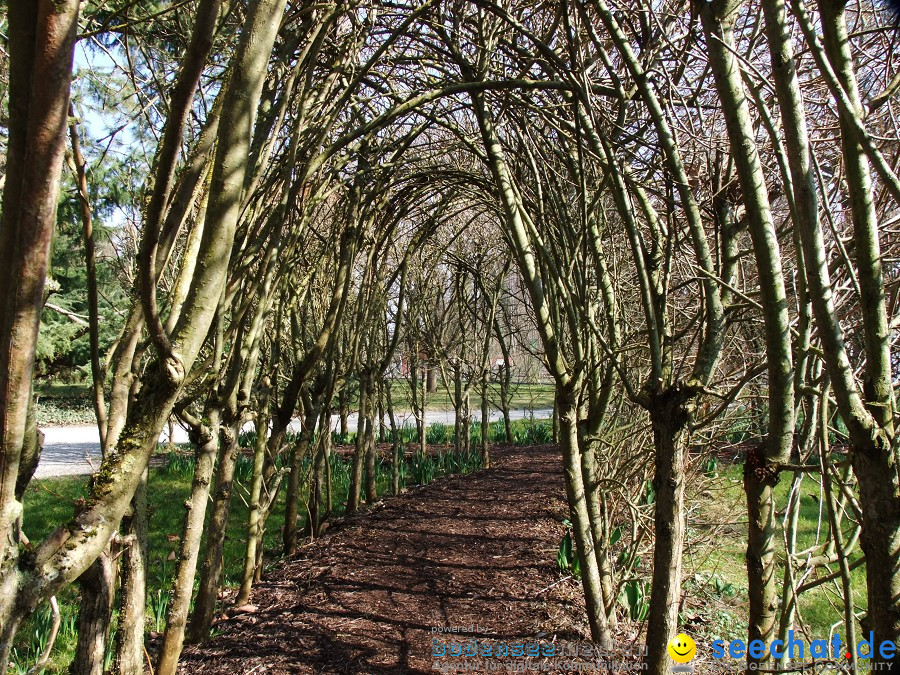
column 463, row 551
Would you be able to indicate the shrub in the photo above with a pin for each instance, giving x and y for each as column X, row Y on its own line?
column 438, row 434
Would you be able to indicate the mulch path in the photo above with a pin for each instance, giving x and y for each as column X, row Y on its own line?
column 477, row 550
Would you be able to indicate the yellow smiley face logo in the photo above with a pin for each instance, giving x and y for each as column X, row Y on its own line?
column 682, row 648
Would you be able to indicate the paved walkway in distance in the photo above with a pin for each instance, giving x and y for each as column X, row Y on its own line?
column 75, row 450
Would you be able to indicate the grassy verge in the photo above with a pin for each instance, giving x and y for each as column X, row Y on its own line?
column 524, row 432
column 716, row 588
column 523, row 396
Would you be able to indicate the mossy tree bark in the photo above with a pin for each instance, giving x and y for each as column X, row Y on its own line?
column 299, row 451
column 762, row 465
column 129, row 657
column 668, row 417
column 41, row 43
column 874, row 453
column 213, row 559
column 207, row 447
column 69, row 551
column 98, row 588
column 866, row 413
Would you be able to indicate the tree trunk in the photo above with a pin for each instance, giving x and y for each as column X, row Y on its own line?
column 292, row 499
column 761, row 467
column 319, row 504
column 133, row 588
column 265, row 510
column 189, row 548
column 458, row 442
column 467, row 422
column 507, row 422
column 873, row 455
column 607, row 576
column 423, row 426
column 395, row 441
column 214, row 555
column 382, row 427
column 316, row 493
column 505, row 381
column 555, row 416
column 329, row 492
column 873, row 459
column 485, row 423
column 371, row 477
column 668, row 417
column 581, row 522
column 41, row 43
column 344, row 412
column 598, row 523
column 94, row 616
column 356, row 473
column 788, row 604
column 880, row 540
column 836, row 534
column 255, row 518
column 32, row 447
column 760, row 556
column 98, row 379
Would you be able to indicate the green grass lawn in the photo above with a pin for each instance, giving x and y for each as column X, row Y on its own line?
column 715, row 555
column 50, row 502
column 524, row 396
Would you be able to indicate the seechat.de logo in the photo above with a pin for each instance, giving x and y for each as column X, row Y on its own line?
column 682, row 649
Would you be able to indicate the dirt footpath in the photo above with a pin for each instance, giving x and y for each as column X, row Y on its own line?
column 475, row 552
